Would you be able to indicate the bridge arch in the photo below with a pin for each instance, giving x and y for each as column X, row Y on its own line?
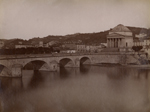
column 66, row 62
column 85, row 60
column 5, row 71
column 36, row 65
column 54, row 62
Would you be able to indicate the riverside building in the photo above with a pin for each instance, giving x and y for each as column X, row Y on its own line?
column 120, row 37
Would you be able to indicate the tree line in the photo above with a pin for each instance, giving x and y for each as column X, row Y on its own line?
column 137, row 48
column 41, row 50
column 29, row 50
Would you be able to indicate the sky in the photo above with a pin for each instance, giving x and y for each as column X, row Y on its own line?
column 39, row 18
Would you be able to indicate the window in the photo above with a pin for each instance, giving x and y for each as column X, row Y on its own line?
column 126, row 44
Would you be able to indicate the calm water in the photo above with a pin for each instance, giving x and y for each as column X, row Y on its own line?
column 88, row 89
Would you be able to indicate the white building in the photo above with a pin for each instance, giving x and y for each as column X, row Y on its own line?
column 147, row 42
column 141, row 35
column 120, row 37
column 1, row 44
column 23, row 46
column 68, row 51
column 144, row 43
column 81, row 48
column 89, row 48
column 40, row 44
column 138, row 42
column 50, row 43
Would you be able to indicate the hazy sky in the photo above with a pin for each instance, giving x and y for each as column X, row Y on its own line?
column 38, row 18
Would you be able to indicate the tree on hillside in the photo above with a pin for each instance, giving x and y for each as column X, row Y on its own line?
column 137, row 48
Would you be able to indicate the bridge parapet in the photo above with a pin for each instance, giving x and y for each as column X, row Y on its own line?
column 52, row 62
column 64, row 54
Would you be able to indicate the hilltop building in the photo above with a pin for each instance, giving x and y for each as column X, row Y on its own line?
column 120, row 37
column 1, row 44
column 51, row 43
column 22, row 44
column 90, row 48
column 143, row 33
column 138, row 42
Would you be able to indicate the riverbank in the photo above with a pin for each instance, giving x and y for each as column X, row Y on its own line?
column 125, row 65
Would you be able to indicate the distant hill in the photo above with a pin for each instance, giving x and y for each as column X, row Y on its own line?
column 136, row 30
column 86, row 38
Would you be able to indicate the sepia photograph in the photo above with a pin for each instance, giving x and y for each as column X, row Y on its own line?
column 74, row 55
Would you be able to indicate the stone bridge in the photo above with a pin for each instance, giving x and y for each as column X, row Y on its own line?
column 12, row 65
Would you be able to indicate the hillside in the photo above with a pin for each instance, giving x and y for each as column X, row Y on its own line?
column 86, row 38
column 89, row 38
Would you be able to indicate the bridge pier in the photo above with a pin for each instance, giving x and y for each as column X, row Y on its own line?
column 16, row 71
column 77, row 63
column 54, row 67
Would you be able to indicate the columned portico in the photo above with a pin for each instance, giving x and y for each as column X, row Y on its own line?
column 114, row 42
column 120, row 37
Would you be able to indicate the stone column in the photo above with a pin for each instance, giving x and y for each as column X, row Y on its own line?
column 112, row 42
column 109, row 42
column 119, row 42
column 115, row 42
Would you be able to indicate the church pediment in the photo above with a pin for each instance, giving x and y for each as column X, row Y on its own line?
column 114, row 35
column 126, row 34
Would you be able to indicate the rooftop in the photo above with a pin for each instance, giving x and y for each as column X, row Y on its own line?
column 120, row 28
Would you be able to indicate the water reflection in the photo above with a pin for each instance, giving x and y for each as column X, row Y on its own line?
column 85, row 89
column 84, row 69
column 65, row 72
column 8, row 85
column 36, row 80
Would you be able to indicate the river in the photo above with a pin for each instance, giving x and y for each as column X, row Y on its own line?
column 85, row 89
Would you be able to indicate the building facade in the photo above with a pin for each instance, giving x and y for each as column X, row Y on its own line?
column 120, row 37
column 90, row 48
column 81, row 48
column 23, row 46
column 1, row 44
column 144, row 43
column 147, row 42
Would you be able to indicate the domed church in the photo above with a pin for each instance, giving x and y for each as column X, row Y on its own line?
column 120, row 37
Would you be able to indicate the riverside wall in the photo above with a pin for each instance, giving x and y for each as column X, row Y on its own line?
column 13, row 65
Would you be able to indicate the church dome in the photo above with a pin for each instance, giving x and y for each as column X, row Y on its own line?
column 120, row 28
